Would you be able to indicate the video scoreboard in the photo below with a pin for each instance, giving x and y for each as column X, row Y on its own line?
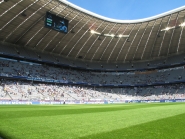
column 56, row 23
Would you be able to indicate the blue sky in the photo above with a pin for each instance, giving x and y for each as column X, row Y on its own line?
column 128, row 9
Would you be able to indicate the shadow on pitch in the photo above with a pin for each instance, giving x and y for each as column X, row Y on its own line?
column 5, row 136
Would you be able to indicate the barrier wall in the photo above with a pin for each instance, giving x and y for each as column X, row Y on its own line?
column 155, row 101
column 88, row 84
column 5, row 102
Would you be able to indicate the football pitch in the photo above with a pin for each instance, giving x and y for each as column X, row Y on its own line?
column 111, row 121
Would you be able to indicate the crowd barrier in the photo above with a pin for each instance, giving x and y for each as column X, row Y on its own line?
column 155, row 101
column 19, row 57
column 89, row 84
column 6, row 102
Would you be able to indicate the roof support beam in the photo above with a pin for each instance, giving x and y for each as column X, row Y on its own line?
column 18, row 14
column 180, row 39
column 68, row 32
column 42, row 28
column 102, row 42
column 146, row 41
column 10, row 7
column 88, row 39
column 159, row 29
column 81, row 38
column 125, row 42
column 140, row 41
column 27, row 19
column 35, row 23
column 110, row 42
column 164, row 36
column 116, row 44
column 47, row 33
column 96, row 40
column 75, row 35
column 172, row 35
column 133, row 41
column 58, row 32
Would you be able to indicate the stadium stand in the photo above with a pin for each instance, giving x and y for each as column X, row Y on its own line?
column 45, row 72
column 23, row 90
column 26, row 91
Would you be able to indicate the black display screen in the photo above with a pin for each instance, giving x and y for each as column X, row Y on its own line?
column 56, row 23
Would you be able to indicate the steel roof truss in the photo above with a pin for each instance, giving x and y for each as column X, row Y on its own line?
column 116, row 44
column 110, row 42
column 80, row 38
column 74, row 36
column 34, row 24
column 172, row 35
column 88, row 39
column 133, row 41
column 11, row 8
column 164, row 35
column 68, row 32
column 18, row 15
column 142, row 38
column 124, row 43
column 27, row 19
column 57, row 32
column 156, row 37
column 146, row 41
column 96, row 40
column 102, row 42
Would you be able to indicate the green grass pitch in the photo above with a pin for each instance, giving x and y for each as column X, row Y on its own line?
column 118, row 121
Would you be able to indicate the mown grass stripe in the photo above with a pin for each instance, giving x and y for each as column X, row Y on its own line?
column 35, row 111
column 83, row 124
column 167, row 128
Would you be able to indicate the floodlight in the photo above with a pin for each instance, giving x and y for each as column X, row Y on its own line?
column 182, row 25
column 112, row 35
column 125, row 36
column 92, row 31
column 106, row 34
column 120, row 36
column 1, row 1
column 109, row 35
column 166, row 29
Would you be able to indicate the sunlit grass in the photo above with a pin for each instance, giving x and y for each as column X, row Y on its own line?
column 93, row 121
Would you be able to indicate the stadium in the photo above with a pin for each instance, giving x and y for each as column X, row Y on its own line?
column 69, row 73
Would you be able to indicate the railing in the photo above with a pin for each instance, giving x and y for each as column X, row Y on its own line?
column 24, row 78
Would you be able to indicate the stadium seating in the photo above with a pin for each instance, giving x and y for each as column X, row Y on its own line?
column 20, row 90
column 30, row 90
column 34, row 70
